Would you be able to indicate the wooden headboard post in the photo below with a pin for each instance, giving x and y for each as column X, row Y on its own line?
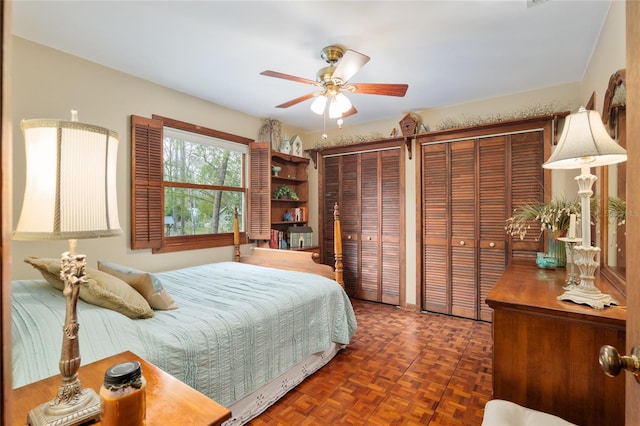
column 236, row 236
column 337, row 245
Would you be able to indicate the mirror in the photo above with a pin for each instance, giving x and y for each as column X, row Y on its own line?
column 613, row 189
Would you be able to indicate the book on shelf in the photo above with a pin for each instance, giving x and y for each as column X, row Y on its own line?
column 278, row 239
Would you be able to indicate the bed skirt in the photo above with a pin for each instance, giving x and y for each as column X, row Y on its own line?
column 258, row 401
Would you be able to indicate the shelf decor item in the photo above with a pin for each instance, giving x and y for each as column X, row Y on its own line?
column 284, row 192
column 285, row 146
column 296, row 146
column 300, row 236
column 270, row 131
column 276, row 170
column 409, row 124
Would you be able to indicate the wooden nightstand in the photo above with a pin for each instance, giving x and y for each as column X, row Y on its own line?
column 169, row 401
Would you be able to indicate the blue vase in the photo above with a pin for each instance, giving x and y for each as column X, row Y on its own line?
column 545, row 261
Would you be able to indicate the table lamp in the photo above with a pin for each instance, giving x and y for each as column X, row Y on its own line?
column 70, row 194
column 585, row 143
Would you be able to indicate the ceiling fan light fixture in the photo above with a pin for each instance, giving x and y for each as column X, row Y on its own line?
column 343, row 102
column 333, row 79
column 319, row 104
column 334, row 108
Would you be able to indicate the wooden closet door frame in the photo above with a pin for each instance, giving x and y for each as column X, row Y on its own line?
column 548, row 124
column 358, row 148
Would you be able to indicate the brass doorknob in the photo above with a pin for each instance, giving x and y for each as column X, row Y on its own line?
column 492, row 244
column 613, row 363
column 461, row 243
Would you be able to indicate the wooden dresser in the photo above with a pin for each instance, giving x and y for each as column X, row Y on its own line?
column 545, row 351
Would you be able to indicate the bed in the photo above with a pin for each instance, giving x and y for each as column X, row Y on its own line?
column 243, row 334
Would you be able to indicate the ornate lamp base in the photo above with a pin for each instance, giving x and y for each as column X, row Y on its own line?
column 86, row 408
column 72, row 405
column 586, row 292
column 594, row 298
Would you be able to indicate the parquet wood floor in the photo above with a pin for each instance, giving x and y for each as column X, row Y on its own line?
column 402, row 368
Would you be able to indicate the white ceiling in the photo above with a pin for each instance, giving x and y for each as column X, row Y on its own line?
column 448, row 52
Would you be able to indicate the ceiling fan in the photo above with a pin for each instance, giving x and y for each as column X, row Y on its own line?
column 333, row 80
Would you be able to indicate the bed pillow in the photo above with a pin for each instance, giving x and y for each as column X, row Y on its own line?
column 145, row 283
column 101, row 289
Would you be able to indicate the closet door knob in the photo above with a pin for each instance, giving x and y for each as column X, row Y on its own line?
column 492, row 244
column 348, row 237
column 461, row 243
column 369, row 238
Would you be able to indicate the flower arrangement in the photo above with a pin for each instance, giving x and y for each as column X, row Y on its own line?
column 553, row 216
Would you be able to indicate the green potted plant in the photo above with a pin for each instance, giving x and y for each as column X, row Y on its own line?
column 283, row 191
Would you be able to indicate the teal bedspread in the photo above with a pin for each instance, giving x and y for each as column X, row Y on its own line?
column 237, row 326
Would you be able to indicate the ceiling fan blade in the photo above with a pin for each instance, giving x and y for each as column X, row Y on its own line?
column 296, row 100
column 352, row 111
column 277, row 74
column 350, row 63
column 378, row 89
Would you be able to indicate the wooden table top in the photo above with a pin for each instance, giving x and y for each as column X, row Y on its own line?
column 525, row 287
column 169, row 401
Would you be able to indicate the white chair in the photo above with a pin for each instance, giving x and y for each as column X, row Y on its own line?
column 498, row 412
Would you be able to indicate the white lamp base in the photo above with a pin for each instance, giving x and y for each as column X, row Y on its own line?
column 586, row 293
column 86, row 408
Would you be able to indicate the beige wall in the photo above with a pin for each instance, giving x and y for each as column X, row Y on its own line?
column 608, row 56
column 48, row 83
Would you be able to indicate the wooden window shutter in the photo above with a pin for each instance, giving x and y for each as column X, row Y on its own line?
column 147, row 213
column 259, row 226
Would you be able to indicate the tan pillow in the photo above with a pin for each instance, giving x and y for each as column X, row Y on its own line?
column 148, row 285
column 101, row 289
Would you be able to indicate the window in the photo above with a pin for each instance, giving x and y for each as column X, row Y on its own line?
column 187, row 181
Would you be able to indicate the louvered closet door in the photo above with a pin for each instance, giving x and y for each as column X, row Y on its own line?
column 369, row 288
column 350, row 221
column 435, row 198
column 464, row 295
column 331, row 189
column 525, row 181
column 493, row 213
column 390, row 220
column 367, row 186
column 380, row 229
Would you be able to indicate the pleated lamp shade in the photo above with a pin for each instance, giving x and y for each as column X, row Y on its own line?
column 70, row 188
column 585, row 141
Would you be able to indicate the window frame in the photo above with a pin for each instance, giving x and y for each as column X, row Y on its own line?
column 142, row 209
